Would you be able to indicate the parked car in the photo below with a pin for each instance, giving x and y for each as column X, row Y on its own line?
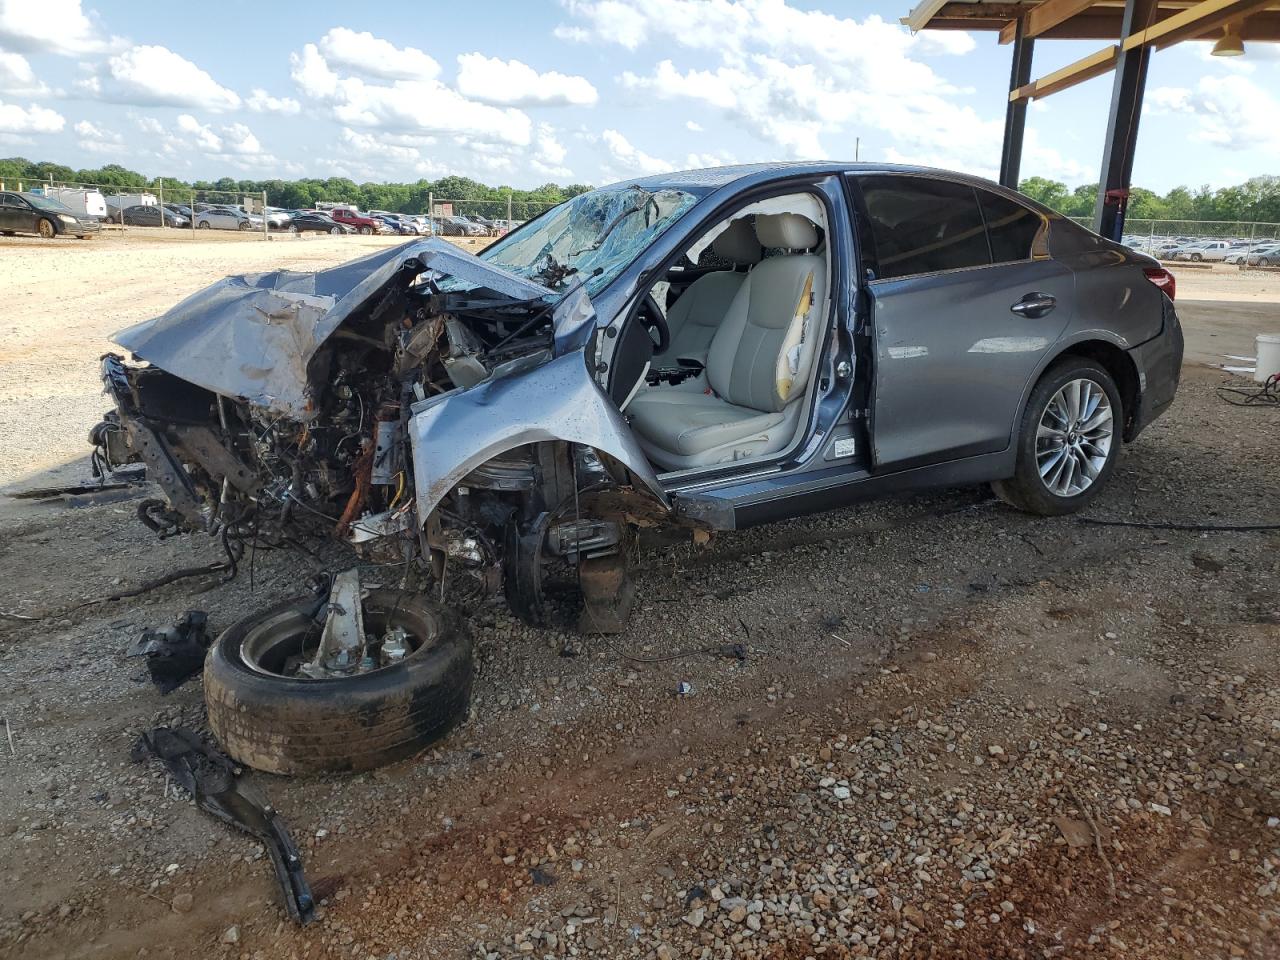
column 456, row 227
column 1265, row 256
column 1211, row 250
column 703, row 350
column 144, row 216
column 43, row 216
column 395, row 226
column 182, row 210
column 226, row 218
column 312, row 221
column 360, row 222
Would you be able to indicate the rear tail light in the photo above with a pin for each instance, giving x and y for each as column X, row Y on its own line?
column 1163, row 279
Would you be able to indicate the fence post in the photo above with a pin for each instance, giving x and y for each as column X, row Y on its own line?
column 266, row 226
column 509, row 227
column 161, row 191
column 431, row 212
column 193, row 214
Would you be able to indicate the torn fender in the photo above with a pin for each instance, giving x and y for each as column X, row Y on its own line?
column 453, row 434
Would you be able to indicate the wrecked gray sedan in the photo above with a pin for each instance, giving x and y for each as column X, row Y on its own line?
column 693, row 351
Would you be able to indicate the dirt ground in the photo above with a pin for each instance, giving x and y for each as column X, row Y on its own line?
column 958, row 731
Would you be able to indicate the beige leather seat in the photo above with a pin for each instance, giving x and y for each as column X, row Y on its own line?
column 696, row 316
column 758, row 363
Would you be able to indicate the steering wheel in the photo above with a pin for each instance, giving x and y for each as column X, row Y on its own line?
column 654, row 322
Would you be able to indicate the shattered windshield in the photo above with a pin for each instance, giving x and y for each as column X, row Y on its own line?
column 592, row 237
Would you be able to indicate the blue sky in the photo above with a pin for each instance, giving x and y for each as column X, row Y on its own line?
column 582, row 91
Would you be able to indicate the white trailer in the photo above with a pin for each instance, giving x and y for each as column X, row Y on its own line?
column 90, row 202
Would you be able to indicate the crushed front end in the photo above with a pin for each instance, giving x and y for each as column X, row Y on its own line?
column 429, row 409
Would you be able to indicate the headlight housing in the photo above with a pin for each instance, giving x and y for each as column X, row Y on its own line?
column 66, row 219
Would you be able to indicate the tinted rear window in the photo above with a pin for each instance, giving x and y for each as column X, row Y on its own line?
column 922, row 225
column 1016, row 233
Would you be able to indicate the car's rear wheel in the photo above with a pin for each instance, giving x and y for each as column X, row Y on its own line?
column 46, row 229
column 1068, row 440
column 203, row 225
column 270, row 716
column 1264, row 262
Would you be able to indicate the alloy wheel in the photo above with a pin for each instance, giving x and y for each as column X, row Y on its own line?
column 1073, row 441
column 46, row 229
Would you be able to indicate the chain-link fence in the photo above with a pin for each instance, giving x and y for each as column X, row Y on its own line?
column 1239, row 243
column 250, row 214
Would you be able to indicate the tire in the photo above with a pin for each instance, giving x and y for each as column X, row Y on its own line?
column 46, row 229
column 203, row 226
column 1264, row 262
column 348, row 724
column 365, row 231
column 245, row 226
column 1196, row 258
column 1025, row 490
column 335, row 231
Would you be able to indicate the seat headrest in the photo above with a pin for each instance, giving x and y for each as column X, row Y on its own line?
column 737, row 243
column 791, row 231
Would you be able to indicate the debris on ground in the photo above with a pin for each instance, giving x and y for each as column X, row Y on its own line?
column 214, row 782
column 174, row 654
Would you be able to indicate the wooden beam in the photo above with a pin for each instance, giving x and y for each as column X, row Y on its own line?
column 1086, row 68
column 1197, row 21
column 922, row 13
column 1050, row 13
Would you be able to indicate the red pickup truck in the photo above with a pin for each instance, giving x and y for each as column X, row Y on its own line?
column 356, row 220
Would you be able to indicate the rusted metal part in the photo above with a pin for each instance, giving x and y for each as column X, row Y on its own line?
column 608, row 593
column 359, row 495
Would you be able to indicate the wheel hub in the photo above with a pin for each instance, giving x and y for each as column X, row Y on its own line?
column 1073, row 441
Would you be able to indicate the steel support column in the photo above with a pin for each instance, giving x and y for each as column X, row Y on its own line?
column 1015, row 117
column 1122, row 124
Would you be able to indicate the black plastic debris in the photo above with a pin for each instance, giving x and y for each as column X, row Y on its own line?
column 174, row 654
column 213, row 780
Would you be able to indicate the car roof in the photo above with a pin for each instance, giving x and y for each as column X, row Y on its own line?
column 710, row 179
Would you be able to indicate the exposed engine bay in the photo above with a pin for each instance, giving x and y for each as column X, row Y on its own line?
column 280, row 408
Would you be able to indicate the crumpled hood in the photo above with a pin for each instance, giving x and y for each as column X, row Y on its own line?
column 252, row 336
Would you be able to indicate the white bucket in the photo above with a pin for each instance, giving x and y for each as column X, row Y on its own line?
column 1268, row 346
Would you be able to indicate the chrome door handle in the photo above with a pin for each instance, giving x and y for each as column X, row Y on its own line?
column 1034, row 305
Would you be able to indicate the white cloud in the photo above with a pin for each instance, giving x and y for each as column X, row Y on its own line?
column 1230, row 111
column 15, row 120
column 17, row 78
column 421, row 107
column 549, row 154
column 371, row 56
column 199, row 135
column 98, row 139
column 802, row 81
column 628, row 159
column 262, row 102
column 49, row 26
column 693, row 125
column 156, row 76
column 513, row 83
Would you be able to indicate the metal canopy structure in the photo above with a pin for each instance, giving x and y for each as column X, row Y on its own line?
column 1136, row 26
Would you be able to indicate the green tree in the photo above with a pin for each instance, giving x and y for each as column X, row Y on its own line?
column 1051, row 193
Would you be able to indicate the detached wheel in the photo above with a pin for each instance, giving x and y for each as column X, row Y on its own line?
column 1068, row 441
column 271, row 718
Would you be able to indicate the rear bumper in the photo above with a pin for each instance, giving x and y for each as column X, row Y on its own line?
column 1159, row 366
